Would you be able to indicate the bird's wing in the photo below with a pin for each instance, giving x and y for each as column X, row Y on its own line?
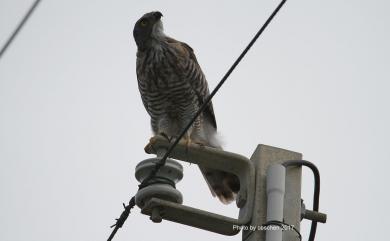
column 191, row 70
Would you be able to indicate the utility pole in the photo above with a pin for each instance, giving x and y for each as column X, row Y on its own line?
column 263, row 157
column 269, row 199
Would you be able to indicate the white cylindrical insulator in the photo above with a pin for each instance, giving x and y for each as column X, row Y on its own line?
column 276, row 176
column 161, row 184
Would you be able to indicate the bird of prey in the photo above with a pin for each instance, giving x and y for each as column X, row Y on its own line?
column 173, row 87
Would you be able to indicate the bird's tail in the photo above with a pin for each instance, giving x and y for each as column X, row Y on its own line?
column 222, row 184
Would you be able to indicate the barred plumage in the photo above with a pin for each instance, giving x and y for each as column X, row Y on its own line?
column 173, row 87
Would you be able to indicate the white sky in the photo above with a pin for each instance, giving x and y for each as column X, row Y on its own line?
column 72, row 124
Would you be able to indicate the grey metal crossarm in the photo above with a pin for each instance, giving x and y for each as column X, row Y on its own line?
column 160, row 209
column 215, row 159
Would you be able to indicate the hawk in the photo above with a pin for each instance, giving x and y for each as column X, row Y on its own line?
column 173, row 87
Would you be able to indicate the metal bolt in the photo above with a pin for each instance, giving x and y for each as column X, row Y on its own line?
column 241, row 199
column 315, row 216
column 156, row 217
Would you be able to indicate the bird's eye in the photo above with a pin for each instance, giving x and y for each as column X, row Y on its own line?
column 144, row 23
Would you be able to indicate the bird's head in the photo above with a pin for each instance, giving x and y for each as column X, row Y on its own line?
column 147, row 28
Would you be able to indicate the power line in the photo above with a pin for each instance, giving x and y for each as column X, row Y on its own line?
column 162, row 161
column 316, row 197
column 121, row 220
column 21, row 24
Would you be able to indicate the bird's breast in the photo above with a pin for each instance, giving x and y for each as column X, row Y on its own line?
column 162, row 83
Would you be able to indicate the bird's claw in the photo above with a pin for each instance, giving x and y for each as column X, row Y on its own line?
column 149, row 147
column 165, row 136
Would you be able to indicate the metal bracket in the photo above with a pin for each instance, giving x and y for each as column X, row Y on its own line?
column 210, row 158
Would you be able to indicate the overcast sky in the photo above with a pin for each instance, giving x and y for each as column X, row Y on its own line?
column 73, row 127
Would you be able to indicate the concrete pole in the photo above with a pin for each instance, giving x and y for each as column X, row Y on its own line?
column 263, row 157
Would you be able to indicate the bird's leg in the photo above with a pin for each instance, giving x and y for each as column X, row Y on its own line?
column 200, row 143
column 199, row 140
column 188, row 141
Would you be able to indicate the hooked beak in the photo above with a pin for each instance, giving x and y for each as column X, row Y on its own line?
column 157, row 15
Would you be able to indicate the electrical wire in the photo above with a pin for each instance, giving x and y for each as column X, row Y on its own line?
column 18, row 28
column 162, row 161
column 121, row 220
column 316, row 197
